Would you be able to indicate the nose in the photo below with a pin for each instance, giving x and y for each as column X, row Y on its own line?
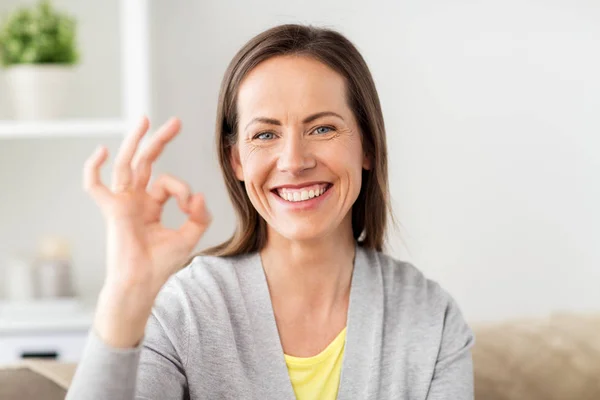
column 295, row 156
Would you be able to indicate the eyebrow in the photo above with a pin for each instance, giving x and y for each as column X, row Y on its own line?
column 306, row 120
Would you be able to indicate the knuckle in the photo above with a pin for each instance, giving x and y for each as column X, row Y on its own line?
column 121, row 188
column 170, row 180
column 120, row 164
column 141, row 163
column 163, row 177
column 169, row 177
column 172, row 184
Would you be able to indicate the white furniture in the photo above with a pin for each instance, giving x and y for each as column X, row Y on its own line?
column 64, row 128
column 48, row 329
column 61, row 334
column 135, row 86
column 40, row 91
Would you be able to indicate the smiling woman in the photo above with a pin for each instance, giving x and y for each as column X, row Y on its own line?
column 300, row 302
column 300, row 135
column 299, row 87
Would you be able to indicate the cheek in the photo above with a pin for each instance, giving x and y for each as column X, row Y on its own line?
column 255, row 164
column 345, row 157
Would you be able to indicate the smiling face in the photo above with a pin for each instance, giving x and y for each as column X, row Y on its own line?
column 299, row 148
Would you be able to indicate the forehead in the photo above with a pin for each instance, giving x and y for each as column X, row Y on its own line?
column 291, row 85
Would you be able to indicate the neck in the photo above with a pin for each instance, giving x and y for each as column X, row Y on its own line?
column 310, row 275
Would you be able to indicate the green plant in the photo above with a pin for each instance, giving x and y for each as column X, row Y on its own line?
column 38, row 35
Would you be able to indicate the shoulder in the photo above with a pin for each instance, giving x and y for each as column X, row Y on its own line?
column 206, row 284
column 206, row 276
column 412, row 297
column 424, row 325
column 402, row 281
column 212, row 269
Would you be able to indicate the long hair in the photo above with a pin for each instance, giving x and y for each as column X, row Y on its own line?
column 370, row 211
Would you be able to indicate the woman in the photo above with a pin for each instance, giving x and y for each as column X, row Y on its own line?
column 300, row 302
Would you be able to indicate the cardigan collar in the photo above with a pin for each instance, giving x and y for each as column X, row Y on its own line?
column 363, row 337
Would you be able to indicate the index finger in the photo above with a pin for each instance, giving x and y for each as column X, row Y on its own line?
column 122, row 174
column 159, row 139
column 143, row 160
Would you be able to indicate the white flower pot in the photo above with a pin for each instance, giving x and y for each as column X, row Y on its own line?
column 39, row 91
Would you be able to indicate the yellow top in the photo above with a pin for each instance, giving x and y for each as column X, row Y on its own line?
column 318, row 377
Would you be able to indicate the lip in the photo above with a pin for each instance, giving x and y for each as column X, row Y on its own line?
column 301, row 185
column 304, row 205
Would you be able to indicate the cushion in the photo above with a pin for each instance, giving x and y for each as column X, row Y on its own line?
column 31, row 380
column 551, row 358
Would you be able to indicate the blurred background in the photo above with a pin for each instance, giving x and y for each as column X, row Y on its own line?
column 491, row 111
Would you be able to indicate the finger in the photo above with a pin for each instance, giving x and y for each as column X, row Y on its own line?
column 166, row 186
column 143, row 160
column 197, row 223
column 122, row 174
column 92, row 182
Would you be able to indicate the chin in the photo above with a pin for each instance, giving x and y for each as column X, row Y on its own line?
column 302, row 232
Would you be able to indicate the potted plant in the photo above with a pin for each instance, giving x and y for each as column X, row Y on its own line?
column 38, row 49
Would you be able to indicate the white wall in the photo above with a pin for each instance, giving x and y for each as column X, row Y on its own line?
column 492, row 128
column 494, row 167
column 490, row 112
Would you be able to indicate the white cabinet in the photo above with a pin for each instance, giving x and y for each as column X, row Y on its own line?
column 65, row 345
column 46, row 329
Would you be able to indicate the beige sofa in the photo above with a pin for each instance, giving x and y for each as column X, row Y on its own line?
column 553, row 358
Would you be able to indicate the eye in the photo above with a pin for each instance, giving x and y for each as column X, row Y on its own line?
column 321, row 130
column 265, row 136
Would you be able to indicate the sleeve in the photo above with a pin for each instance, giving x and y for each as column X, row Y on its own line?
column 453, row 373
column 151, row 371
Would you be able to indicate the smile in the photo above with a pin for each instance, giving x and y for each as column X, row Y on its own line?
column 302, row 193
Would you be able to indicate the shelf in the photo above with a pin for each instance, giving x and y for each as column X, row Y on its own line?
column 44, row 316
column 74, row 322
column 61, row 128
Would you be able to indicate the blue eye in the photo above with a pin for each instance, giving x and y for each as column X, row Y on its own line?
column 320, row 130
column 265, row 136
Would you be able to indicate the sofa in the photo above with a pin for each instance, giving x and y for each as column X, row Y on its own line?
column 551, row 358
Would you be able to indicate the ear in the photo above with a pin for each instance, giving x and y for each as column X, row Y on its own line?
column 366, row 162
column 234, row 158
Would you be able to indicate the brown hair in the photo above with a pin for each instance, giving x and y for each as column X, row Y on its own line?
column 370, row 211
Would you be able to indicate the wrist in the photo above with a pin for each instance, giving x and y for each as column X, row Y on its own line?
column 121, row 316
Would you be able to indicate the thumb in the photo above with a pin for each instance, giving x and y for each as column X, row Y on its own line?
column 198, row 220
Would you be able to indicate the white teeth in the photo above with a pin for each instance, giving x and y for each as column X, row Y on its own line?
column 301, row 195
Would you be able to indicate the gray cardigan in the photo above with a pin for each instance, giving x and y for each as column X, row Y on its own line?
column 212, row 335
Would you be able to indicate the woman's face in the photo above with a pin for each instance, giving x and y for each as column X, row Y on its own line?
column 299, row 148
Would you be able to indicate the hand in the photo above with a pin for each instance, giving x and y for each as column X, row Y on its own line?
column 141, row 253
